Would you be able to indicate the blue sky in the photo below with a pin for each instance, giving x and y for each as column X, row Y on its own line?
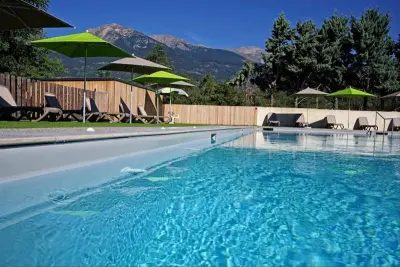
column 215, row 23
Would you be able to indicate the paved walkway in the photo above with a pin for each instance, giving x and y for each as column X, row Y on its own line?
column 10, row 137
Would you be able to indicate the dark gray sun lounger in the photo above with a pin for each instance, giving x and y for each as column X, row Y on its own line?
column 96, row 115
column 52, row 102
column 394, row 124
column 272, row 119
column 9, row 109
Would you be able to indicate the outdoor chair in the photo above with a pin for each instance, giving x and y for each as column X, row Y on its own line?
column 144, row 117
column 394, row 124
column 331, row 122
column 364, row 125
column 9, row 109
column 52, row 102
column 272, row 119
column 301, row 122
column 125, row 112
column 97, row 115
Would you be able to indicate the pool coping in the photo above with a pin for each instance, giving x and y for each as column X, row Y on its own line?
column 296, row 130
column 37, row 141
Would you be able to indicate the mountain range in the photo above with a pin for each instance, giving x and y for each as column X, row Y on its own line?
column 192, row 59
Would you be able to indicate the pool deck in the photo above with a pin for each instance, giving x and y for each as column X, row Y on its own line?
column 37, row 136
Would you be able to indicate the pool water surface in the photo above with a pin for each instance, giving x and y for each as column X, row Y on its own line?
column 239, row 204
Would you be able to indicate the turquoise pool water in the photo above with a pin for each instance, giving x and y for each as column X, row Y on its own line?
column 334, row 202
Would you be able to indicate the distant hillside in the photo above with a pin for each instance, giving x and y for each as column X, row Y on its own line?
column 252, row 53
column 194, row 60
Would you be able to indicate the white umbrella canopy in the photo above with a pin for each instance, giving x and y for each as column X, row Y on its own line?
column 171, row 91
column 392, row 95
column 310, row 92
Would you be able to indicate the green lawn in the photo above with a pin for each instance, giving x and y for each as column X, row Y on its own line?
column 67, row 124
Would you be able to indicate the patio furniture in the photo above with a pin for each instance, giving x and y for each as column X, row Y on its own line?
column 272, row 119
column 364, row 125
column 301, row 122
column 52, row 102
column 9, row 109
column 394, row 124
column 331, row 123
column 97, row 115
column 144, row 117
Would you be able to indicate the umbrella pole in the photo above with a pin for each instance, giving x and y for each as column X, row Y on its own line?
column 84, row 86
column 157, row 96
column 170, row 104
column 130, row 115
column 348, row 117
column 308, row 104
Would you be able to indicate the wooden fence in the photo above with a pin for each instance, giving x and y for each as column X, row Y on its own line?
column 116, row 91
column 29, row 92
column 214, row 115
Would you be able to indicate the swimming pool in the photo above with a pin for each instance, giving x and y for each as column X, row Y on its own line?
column 264, row 199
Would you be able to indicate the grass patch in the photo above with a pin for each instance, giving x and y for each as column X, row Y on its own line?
column 68, row 124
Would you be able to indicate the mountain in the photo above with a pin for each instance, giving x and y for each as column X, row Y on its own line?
column 252, row 53
column 194, row 60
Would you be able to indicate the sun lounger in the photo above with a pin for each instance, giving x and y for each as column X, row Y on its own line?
column 52, row 102
column 97, row 115
column 125, row 112
column 364, row 125
column 394, row 124
column 331, row 122
column 143, row 116
column 301, row 122
column 272, row 119
column 11, row 111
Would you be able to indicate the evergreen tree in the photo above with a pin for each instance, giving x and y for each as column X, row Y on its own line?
column 372, row 66
column 303, row 56
column 334, row 47
column 159, row 55
column 279, row 49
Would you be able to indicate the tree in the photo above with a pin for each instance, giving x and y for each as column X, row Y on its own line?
column 333, row 49
column 19, row 58
column 303, row 56
column 103, row 73
column 397, row 50
column 279, row 48
column 158, row 55
column 372, row 66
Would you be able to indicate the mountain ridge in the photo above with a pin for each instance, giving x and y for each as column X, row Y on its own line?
column 194, row 60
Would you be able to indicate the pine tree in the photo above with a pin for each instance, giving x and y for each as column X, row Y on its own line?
column 334, row 46
column 372, row 66
column 279, row 48
column 159, row 55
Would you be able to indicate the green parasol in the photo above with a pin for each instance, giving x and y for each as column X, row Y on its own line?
column 160, row 78
column 350, row 92
column 81, row 45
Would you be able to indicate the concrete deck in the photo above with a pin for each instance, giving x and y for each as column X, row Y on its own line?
column 325, row 131
column 37, row 136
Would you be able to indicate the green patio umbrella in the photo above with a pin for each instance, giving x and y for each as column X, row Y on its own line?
column 350, row 92
column 160, row 78
column 81, row 45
